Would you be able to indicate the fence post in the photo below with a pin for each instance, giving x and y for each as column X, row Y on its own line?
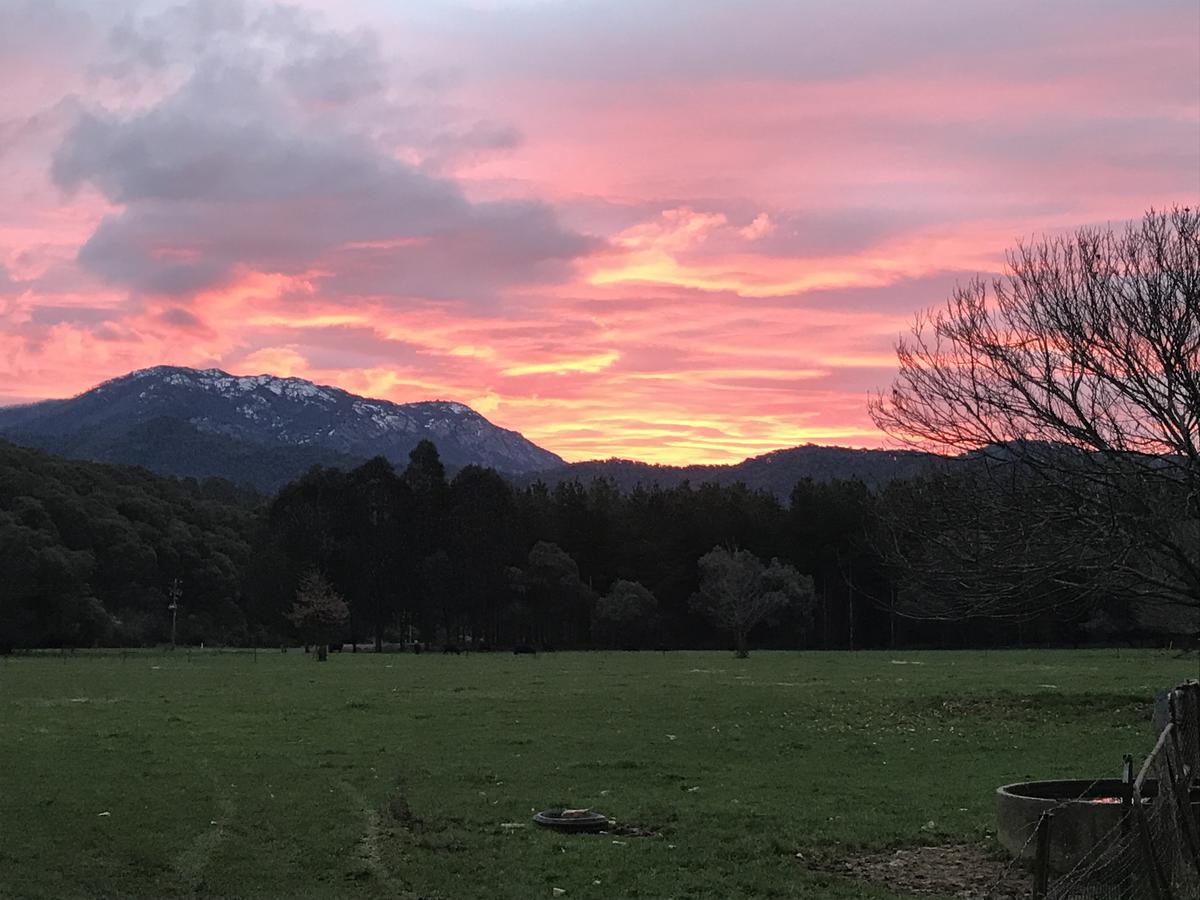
column 1041, row 862
column 1185, row 714
column 1127, row 793
column 1181, row 777
column 1155, row 880
column 1177, row 715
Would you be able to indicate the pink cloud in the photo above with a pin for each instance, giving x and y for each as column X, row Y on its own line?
column 614, row 229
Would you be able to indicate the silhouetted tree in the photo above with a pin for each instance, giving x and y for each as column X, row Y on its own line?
column 738, row 591
column 626, row 616
column 425, row 473
column 484, row 538
column 378, row 549
column 552, row 599
column 1072, row 389
column 425, row 477
column 319, row 612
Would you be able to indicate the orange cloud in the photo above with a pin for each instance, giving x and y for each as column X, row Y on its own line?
column 587, row 364
column 684, row 256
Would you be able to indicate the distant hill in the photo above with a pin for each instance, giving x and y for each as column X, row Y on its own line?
column 776, row 472
column 259, row 430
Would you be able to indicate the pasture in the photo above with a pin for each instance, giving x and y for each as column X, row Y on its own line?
column 228, row 775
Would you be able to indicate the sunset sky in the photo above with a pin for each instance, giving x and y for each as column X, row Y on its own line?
column 672, row 230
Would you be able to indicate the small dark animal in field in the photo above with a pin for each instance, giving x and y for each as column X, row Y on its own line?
column 451, row 648
column 522, row 649
column 418, row 647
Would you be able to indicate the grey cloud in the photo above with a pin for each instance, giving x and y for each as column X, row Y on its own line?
column 480, row 139
column 180, row 318
column 493, row 244
column 111, row 332
column 52, row 314
column 335, row 70
column 35, row 27
column 313, row 65
column 161, row 37
column 226, row 173
column 352, row 347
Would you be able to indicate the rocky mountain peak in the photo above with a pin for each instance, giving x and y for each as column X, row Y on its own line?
column 266, row 411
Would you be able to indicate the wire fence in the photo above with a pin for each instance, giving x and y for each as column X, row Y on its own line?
column 1153, row 853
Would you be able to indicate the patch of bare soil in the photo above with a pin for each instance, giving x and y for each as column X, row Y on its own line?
column 625, row 829
column 968, row 871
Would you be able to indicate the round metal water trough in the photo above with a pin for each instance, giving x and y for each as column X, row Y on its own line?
column 572, row 819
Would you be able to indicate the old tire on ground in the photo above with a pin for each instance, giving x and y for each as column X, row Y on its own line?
column 572, row 820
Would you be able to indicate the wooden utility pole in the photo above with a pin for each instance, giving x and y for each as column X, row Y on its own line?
column 175, row 593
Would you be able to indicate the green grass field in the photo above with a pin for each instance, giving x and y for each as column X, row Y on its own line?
column 222, row 775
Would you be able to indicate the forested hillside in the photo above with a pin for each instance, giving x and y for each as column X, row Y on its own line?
column 89, row 554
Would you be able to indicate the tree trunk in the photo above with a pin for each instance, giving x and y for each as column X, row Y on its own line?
column 892, row 620
column 850, row 601
column 378, row 620
column 743, row 646
column 825, row 611
column 322, row 652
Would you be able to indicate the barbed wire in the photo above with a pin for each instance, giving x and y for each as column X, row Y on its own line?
column 1153, row 851
column 1033, row 831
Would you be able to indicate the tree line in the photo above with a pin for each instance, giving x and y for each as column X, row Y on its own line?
column 88, row 554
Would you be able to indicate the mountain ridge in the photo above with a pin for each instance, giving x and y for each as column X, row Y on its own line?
column 776, row 471
column 270, row 415
column 265, row 430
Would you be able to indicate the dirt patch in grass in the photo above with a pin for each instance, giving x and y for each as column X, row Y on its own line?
column 628, row 829
column 399, row 812
column 968, row 871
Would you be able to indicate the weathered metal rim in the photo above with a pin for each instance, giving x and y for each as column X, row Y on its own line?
column 553, row 818
column 1064, row 790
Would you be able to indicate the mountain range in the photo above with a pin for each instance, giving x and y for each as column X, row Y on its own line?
column 263, row 431
column 256, row 429
column 776, row 472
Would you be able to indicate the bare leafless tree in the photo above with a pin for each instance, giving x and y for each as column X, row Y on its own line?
column 1068, row 389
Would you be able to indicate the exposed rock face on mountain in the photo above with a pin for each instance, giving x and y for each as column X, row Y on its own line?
column 257, row 429
column 776, row 472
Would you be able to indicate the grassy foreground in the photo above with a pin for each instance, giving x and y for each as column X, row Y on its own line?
column 222, row 775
